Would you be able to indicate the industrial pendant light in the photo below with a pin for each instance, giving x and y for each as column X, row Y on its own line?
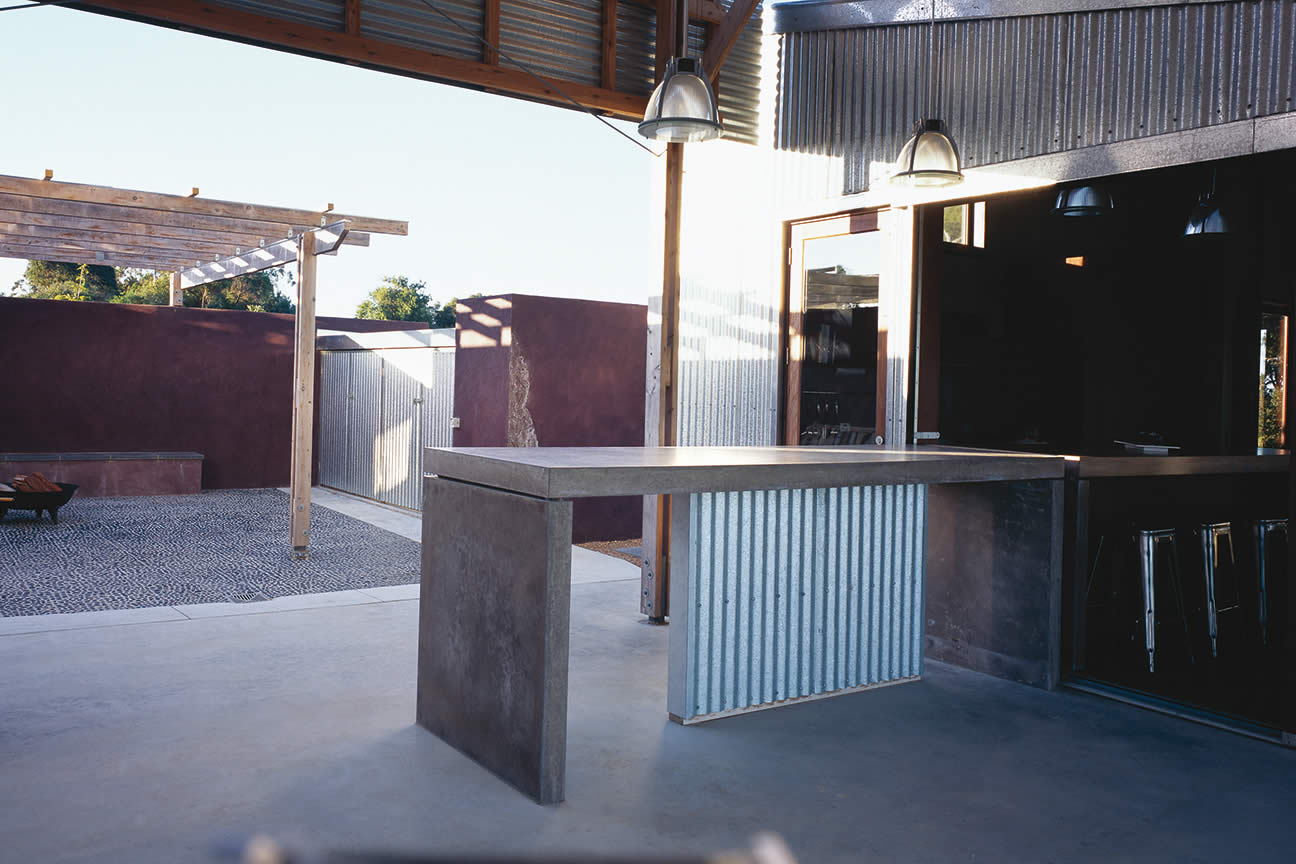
column 929, row 157
column 683, row 107
column 1207, row 218
column 1083, row 201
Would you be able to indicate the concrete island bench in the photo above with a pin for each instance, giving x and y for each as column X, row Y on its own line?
column 796, row 573
column 104, row 474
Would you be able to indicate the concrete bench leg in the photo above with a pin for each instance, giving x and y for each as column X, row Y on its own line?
column 494, row 617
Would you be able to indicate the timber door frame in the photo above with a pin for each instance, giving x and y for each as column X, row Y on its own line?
column 792, row 314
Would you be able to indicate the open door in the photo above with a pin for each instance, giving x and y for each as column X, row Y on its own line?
column 833, row 394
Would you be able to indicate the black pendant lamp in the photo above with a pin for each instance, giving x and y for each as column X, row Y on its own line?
column 1206, row 217
column 683, row 107
column 930, row 157
column 1083, row 201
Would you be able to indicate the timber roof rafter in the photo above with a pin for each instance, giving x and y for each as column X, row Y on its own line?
column 50, row 220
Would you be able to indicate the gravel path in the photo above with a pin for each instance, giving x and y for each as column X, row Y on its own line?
column 220, row 546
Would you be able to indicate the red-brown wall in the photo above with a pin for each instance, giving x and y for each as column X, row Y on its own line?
column 578, row 368
column 83, row 376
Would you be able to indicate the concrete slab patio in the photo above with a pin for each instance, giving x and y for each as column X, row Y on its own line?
column 151, row 741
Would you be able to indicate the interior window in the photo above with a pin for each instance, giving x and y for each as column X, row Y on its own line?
column 1273, row 386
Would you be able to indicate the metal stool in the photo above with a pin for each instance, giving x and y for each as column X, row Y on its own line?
column 1263, row 547
column 1148, row 542
column 1222, row 594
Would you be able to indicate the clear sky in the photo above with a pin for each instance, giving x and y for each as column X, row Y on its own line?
column 502, row 195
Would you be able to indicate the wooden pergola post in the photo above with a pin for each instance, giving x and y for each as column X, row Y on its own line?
column 177, row 290
column 303, row 416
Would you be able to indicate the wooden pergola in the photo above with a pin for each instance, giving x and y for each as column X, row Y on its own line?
column 198, row 241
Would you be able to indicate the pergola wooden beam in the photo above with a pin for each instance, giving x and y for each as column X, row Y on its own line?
column 14, row 234
column 141, row 234
column 49, row 209
column 340, row 45
column 129, row 198
column 108, row 259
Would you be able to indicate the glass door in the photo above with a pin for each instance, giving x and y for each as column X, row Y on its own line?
column 833, row 395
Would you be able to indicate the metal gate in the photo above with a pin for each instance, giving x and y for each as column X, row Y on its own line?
column 378, row 409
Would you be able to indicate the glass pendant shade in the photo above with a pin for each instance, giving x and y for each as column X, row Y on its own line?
column 1206, row 218
column 1083, row 201
column 683, row 107
column 928, row 158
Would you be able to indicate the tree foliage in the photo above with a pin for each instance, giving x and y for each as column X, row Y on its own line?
column 144, row 287
column 399, row 298
column 256, row 292
column 50, row 280
column 57, row 280
column 1272, row 386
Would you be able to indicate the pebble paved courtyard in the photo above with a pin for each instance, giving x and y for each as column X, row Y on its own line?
column 215, row 547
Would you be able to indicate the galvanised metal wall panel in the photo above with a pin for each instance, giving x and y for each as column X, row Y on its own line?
column 327, row 14
column 378, row 410
column 1011, row 88
column 438, row 409
column 364, row 422
column 398, row 478
column 795, row 593
column 728, row 345
column 555, row 38
column 412, row 23
column 335, row 374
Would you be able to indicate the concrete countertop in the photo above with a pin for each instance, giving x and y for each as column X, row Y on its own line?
column 1261, row 461
column 582, row 472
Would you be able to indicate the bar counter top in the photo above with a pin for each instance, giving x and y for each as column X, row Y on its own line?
column 582, row 472
column 1262, row 461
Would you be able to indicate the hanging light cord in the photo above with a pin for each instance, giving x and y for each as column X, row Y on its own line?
column 931, row 61
column 549, row 84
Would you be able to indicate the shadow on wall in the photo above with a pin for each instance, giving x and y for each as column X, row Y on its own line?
column 551, row 372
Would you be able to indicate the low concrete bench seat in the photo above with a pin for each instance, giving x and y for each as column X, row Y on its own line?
column 103, row 474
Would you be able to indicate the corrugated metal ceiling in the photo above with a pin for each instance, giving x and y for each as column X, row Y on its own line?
column 558, row 39
column 1010, row 88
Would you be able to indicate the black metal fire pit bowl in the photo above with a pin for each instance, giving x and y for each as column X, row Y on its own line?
column 41, row 502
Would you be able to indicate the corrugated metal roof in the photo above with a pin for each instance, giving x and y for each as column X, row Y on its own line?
column 317, row 13
column 739, row 86
column 636, row 48
column 1010, row 88
column 558, row 38
column 412, row 23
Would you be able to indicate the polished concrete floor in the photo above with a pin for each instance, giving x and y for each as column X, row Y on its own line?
column 156, row 741
column 141, row 735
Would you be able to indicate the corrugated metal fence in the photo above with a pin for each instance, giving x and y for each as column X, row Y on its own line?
column 378, row 410
column 1010, row 88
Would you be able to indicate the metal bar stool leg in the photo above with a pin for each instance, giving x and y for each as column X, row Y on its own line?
column 1216, row 601
column 1263, row 529
column 1148, row 542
